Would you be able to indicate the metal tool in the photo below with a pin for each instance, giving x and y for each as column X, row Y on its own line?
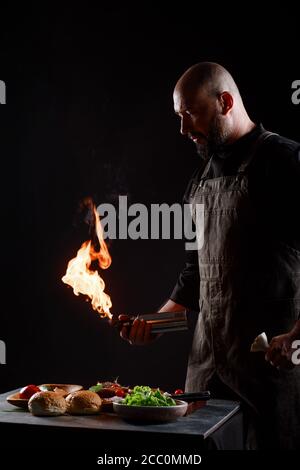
column 161, row 322
column 193, row 396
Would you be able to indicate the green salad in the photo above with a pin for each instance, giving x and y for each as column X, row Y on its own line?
column 145, row 396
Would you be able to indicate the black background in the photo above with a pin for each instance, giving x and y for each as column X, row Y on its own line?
column 89, row 112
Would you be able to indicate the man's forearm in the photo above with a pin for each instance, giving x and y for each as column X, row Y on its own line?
column 295, row 332
column 171, row 306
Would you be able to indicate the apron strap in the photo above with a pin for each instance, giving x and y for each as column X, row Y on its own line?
column 205, row 171
column 262, row 138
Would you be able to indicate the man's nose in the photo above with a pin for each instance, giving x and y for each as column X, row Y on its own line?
column 185, row 127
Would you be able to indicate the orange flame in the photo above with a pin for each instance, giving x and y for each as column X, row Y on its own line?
column 88, row 282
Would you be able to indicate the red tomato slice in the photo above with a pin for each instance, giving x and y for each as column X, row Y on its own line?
column 120, row 393
column 178, row 391
column 28, row 391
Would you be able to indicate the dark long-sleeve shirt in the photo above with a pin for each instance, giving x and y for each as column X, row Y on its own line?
column 274, row 189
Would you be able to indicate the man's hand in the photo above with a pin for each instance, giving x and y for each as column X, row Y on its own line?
column 139, row 333
column 280, row 351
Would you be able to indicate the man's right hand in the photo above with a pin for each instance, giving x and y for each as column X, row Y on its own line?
column 139, row 333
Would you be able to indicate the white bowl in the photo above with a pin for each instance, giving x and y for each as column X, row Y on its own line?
column 151, row 413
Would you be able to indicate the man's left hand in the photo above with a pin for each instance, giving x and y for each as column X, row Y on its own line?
column 280, row 352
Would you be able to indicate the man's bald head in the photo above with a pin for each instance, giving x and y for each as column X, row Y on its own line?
column 210, row 106
column 210, row 78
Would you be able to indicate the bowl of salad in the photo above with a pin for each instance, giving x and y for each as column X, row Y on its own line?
column 150, row 405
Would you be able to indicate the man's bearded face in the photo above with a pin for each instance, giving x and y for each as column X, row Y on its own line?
column 217, row 136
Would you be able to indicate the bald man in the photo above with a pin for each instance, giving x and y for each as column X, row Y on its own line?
column 246, row 277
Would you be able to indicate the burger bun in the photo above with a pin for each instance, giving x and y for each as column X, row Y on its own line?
column 83, row 402
column 47, row 404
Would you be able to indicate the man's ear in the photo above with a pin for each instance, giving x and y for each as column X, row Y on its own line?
column 226, row 102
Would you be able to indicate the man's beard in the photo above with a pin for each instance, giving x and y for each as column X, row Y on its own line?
column 216, row 138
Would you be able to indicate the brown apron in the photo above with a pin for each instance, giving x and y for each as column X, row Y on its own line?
column 249, row 283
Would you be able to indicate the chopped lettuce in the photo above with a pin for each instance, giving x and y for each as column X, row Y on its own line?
column 96, row 388
column 145, row 396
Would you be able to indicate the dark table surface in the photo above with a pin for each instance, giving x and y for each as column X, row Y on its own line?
column 217, row 421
